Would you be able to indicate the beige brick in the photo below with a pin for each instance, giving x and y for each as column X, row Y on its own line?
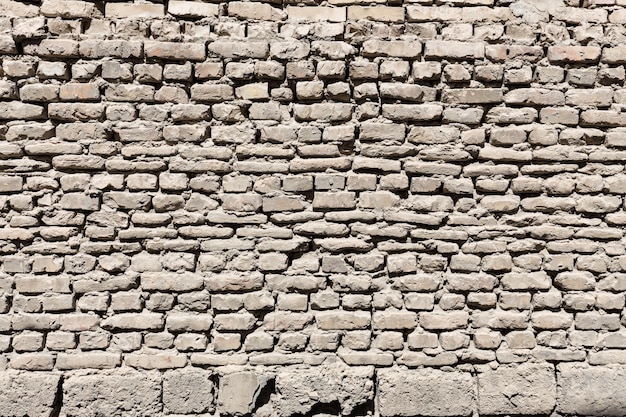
column 133, row 11
column 58, row 48
column 312, row 14
column 94, row 360
column 192, row 9
column 260, row 11
column 454, row 50
column 376, row 13
column 473, row 96
column 574, row 54
column 401, row 49
column 79, row 92
column 175, row 51
column 110, row 48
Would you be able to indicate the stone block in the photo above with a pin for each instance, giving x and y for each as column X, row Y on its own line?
column 239, row 392
column 524, row 389
column 119, row 393
column 188, row 391
column 425, row 392
column 28, row 393
column 590, row 390
column 299, row 391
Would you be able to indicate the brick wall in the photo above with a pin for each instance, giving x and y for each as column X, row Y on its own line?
column 297, row 209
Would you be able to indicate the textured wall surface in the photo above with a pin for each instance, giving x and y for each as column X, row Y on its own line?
column 295, row 208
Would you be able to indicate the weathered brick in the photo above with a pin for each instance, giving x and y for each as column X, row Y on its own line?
column 133, row 11
column 212, row 92
column 343, row 320
column 312, row 14
column 443, row 321
column 16, row 9
column 10, row 184
column 473, row 96
column 401, row 49
column 323, row 112
column 243, row 10
column 67, row 9
column 574, row 54
column 453, row 50
column 175, row 51
column 535, row 97
column 240, row 49
column 412, row 112
column 63, row 48
column 79, row 92
column 192, row 10
column 93, row 360
column 14, row 110
column 132, row 321
column 376, row 13
column 75, row 112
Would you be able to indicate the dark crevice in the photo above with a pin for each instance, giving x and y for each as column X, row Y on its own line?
column 332, row 408
column 214, row 378
column 367, row 408
column 557, row 386
column 58, row 400
column 265, row 395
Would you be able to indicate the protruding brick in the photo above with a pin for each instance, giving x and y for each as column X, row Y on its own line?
column 133, row 11
column 192, row 9
column 175, row 51
column 574, row 54
column 308, row 13
column 453, row 50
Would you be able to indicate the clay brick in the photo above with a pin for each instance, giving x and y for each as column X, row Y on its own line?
column 401, row 49
column 133, row 11
column 240, row 49
column 260, row 11
column 59, row 48
column 175, row 51
column 574, row 54
column 192, row 9
column 79, row 92
column 376, row 13
column 110, row 48
column 67, row 9
column 473, row 96
column 453, row 50
column 312, row 14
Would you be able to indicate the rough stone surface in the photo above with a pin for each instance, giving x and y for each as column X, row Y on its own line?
column 28, row 393
column 426, row 393
column 299, row 391
column 590, row 391
column 188, row 391
column 239, row 392
column 526, row 389
column 120, row 393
